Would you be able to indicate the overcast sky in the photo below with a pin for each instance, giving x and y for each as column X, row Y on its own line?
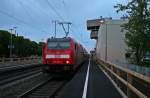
column 33, row 18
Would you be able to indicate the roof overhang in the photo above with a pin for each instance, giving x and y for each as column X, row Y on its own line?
column 94, row 24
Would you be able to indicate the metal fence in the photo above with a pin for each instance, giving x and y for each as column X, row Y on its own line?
column 136, row 68
column 128, row 82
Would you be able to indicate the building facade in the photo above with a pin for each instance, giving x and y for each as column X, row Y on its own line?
column 110, row 44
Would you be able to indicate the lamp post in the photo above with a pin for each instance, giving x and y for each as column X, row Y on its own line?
column 106, row 45
column 42, row 45
column 15, row 30
column 10, row 46
column 16, row 34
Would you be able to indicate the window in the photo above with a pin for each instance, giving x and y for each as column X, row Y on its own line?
column 58, row 45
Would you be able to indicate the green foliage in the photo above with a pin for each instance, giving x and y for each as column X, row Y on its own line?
column 4, row 40
column 138, row 28
column 23, row 47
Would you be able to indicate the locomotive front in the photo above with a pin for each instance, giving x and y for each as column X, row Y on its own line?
column 58, row 54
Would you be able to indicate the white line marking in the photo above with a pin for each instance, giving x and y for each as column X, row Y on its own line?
column 86, row 82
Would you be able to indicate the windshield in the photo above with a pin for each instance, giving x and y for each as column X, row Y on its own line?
column 58, row 45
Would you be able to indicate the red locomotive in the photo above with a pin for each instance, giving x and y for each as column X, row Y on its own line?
column 63, row 54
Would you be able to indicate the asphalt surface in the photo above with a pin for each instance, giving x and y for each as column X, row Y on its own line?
column 74, row 89
column 99, row 85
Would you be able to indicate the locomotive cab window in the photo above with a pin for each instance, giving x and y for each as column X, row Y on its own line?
column 59, row 45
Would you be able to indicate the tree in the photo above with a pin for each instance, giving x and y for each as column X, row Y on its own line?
column 23, row 46
column 137, row 36
column 40, row 48
column 4, row 42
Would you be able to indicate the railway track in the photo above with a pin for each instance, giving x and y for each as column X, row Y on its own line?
column 5, row 69
column 46, row 89
column 12, row 76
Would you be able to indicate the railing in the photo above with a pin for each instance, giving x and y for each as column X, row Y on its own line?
column 3, row 60
column 138, row 69
column 129, row 83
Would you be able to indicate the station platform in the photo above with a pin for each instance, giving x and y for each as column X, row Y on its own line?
column 89, row 82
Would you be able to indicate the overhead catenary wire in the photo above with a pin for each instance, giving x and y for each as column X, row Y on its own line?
column 21, row 21
column 28, row 12
column 73, row 24
column 46, row 13
column 57, row 13
column 66, row 8
column 80, row 33
column 50, row 5
column 13, row 17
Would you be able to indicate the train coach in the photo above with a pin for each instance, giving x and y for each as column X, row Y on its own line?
column 63, row 55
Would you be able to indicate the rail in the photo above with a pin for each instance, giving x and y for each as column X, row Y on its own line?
column 129, row 83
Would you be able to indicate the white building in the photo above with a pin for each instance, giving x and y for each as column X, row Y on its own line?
column 110, row 38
